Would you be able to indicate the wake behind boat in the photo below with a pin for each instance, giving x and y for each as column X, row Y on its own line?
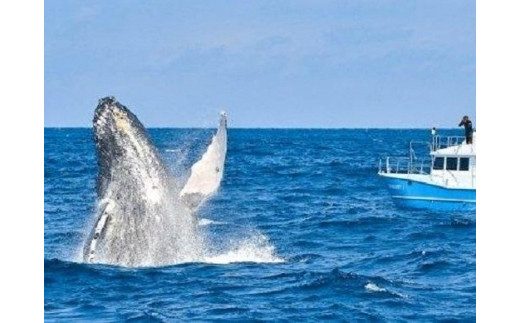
column 446, row 180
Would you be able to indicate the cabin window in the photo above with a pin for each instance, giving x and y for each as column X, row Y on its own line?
column 451, row 163
column 438, row 163
column 464, row 164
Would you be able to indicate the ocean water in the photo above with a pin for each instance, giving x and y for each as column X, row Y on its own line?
column 302, row 229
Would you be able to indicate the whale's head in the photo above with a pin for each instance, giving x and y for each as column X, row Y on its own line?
column 122, row 142
column 115, row 127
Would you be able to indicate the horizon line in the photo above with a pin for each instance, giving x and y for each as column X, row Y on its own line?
column 273, row 128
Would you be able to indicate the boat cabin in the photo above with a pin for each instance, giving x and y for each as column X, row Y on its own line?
column 454, row 166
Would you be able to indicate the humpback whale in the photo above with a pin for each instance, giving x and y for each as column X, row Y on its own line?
column 141, row 217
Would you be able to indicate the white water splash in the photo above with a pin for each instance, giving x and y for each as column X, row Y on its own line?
column 205, row 222
column 255, row 249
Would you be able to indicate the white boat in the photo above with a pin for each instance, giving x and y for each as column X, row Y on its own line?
column 446, row 180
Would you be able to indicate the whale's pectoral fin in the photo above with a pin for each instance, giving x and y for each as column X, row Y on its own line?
column 99, row 231
column 206, row 174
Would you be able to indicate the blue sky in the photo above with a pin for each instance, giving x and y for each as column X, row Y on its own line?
column 267, row 63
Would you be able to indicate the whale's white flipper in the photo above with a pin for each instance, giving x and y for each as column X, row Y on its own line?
column 206, row 174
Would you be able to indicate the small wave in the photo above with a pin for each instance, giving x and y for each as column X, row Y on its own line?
column 423, row 235
column 374, row 288
column 357, row 222
column 462, row 223
column 172, row 150
column 306, row 258
column 433, row 265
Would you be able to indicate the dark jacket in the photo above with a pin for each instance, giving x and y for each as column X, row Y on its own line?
column 468, row 127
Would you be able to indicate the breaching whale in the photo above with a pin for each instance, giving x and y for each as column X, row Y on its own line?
column 141, row 218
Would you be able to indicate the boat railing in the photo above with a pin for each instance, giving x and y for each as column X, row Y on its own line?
column 440, row 142
column 404, row 165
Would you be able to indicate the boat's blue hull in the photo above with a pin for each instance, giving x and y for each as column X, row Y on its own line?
column 427, row 196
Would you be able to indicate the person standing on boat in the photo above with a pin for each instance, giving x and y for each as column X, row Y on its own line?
column 468, row 129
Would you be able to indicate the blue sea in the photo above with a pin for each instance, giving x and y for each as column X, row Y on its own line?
column 302, row 229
